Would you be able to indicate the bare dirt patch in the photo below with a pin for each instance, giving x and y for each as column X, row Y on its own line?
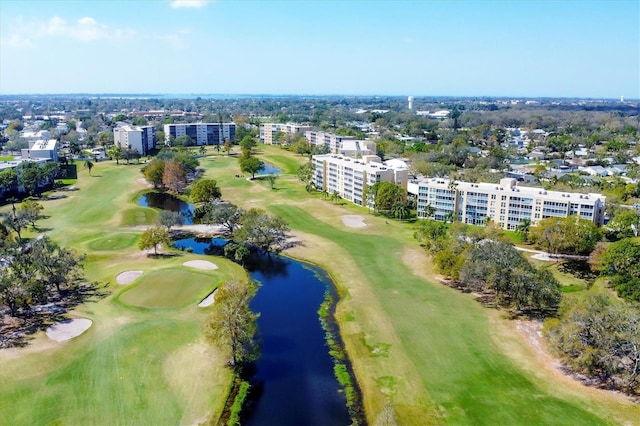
column 68, row 329
column 353, row 221
column 201, row 264
column 127, row 277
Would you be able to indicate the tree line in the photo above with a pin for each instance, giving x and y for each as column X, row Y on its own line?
column 477, row 259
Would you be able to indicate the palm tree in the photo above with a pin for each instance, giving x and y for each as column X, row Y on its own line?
column 88, row 165
column 335, row 196
column 399, row 210
column 325, row 194
column 203, row 150
column 523, row 229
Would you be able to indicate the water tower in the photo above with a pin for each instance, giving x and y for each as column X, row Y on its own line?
column 410, row 99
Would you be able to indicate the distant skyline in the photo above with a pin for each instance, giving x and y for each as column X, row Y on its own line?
column 545, row 48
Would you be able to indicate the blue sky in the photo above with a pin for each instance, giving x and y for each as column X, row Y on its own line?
column 420, row 48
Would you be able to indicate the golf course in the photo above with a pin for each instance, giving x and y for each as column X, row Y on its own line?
column 433, row 353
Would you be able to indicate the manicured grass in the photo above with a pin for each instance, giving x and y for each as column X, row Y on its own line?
column 113, row 241
column 169, row 288
column 446, row 336
column 430, row 350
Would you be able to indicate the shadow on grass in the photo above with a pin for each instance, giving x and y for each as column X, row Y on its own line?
column 163, row 255
column 18, row 330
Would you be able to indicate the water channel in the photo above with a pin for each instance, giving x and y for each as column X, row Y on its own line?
column 293, row 382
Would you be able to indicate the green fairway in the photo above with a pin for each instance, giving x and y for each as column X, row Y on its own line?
column 433, row 352
column 446, row 335
column 169, row 288
column 113, row 241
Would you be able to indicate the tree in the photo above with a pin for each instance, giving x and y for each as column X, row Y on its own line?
column 523, row 229
column 248, row 143
column 624, row 224
column 387, row 194
column 154, row 237
column 226, row 215
column 227, row 146
column 204, row 190
column 567, row 235
column 399, row 210
column 183, row 140
column 168, row 219
column 305, row 174
column 203, row 150
column 8, row 180
column 251, row 165
column 15, row 221
column 262, row 231
column 335, row 196
column 232, row 324
column 115, row 153
column 58, row 266
column 154, row 172
column 88, row 165
column 130, row 154
column 30, row 211
column 174, row 177
column 30, row 178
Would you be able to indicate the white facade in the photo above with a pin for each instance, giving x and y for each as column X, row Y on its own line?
column 140, row 138
column 350, row 177
column 42, row 149
column 505, row 203
column 333, row 141
column 201, row 133
column 268, row 131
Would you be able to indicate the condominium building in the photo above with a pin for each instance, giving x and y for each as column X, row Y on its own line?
column 333, row 141
column 269, row 130
column 139, row 138
column 350, row 177
column 506, row 203
column 201, row 133
column 41, row 149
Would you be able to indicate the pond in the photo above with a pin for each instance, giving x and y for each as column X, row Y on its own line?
column 269, row 170
column 293, row 382
column 164, row 201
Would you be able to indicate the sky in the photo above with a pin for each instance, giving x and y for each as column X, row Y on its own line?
column 544, row 48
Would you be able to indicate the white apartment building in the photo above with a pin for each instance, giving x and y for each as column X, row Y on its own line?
column 350, row 177
column 42, row 149
column 269, row 130
column 357, row 148
column 333, row 141
column 201, row 133
column 140, row 138
column 505, row 203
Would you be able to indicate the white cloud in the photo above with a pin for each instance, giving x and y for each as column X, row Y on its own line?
column 189, row 3
column 16, row 41
column 85, row 29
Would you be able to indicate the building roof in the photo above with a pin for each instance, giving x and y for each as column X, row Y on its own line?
column 44, row 145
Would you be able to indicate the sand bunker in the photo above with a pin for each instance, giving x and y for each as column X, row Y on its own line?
column 68, row 329
column 209, row 300
column 201, row 264
column 545, row 257
column 353, row 221
column 127, row 277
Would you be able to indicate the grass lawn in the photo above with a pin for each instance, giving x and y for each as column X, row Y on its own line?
column 133, row 366
column 435, row 353
column 169, row 288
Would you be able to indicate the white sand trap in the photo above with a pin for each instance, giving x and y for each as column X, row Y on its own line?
column 544, row 256
column 127, row 277
column 209, row 300
column 353, row 221
column 201, row 264
column 68, row 329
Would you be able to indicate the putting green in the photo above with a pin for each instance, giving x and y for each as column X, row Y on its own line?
column 113, row 242
column 169, row 288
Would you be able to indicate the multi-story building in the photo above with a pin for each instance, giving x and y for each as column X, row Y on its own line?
column 201, row 133
column 269, row 130
column 506, row 203
column 140, row 138
column 42, row 149
column 333, row 141
column 350, row 177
